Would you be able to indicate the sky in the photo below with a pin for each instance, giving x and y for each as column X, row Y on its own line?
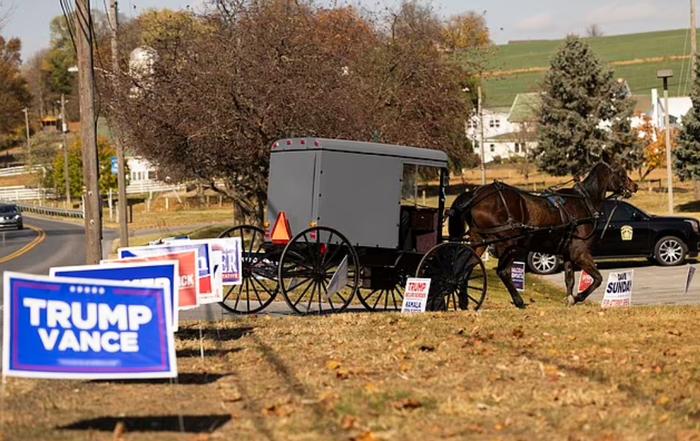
column 507, row 19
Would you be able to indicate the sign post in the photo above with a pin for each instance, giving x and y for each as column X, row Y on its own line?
column 689, row 278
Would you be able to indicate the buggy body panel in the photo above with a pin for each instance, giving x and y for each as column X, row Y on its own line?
column 352, row 186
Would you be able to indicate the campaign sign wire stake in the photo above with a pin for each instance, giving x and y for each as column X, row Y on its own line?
column 61, row 327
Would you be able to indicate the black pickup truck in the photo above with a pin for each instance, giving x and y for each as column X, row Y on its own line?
column 666, row 240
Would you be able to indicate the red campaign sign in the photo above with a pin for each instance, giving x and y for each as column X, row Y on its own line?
column 584, row 282
column 188, row 274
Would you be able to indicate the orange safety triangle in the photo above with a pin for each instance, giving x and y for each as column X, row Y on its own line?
column 281, row 233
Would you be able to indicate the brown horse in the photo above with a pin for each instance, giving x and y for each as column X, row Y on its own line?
column 561, row 222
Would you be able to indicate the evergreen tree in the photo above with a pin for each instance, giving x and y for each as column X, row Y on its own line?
column 583, row 111
column 687, row 154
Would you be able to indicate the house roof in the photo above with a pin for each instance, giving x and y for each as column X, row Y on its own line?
column 513, row 137
column 524, row 108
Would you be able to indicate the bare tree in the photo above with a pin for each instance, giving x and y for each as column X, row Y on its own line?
column 594, row 30
column 224, row 86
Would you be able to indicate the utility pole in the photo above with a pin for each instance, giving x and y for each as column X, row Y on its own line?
column 121, row 168
column 64, row 130
column 86, row 84
column 693, row 62
column 29, row 143
column 480, row 110
column 664, row 75
column 693, row 40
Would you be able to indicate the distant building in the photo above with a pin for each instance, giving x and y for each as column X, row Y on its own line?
column 512, row 132
column 508, row 131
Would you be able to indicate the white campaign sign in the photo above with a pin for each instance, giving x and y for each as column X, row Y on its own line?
column 415, row 297
column 618, row 290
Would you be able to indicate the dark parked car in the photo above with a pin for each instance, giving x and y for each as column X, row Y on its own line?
column 666, row 240
column 10, row 217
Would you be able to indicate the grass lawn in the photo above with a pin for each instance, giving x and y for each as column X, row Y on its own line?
column 648, row 49
column 549, row 372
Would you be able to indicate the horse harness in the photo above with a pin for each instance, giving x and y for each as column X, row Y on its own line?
column 555, row 200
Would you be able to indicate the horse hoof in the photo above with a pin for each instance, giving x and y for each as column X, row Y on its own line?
column 521, row 305
column 571, row 300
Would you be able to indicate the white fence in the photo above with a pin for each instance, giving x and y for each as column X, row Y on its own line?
column 152, row 187
column 16, row 171
column 20, row 193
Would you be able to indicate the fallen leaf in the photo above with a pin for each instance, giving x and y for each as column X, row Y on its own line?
column 408, row 404
column 348, row 422
column 663, row 400
column 518, row 333
column 332, row 365
column 366, row 436
column 342, row 373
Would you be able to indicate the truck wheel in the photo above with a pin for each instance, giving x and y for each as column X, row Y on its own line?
column 670, row 250
column 541, row 263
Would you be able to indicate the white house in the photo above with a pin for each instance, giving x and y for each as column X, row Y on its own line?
column 507, row 132
column 141, row 170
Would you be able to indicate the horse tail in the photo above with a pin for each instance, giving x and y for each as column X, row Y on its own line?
column 459, row 214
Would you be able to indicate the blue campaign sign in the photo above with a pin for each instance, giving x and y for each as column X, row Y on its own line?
column 60, row 327
column 517, row 275
column 143, row 273
column 115, row 165
column 205, row 264
column 231, row 256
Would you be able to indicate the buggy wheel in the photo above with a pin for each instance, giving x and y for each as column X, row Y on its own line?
column 318, row 271
column 259, row 279
column 457, row 277
column 388, row 297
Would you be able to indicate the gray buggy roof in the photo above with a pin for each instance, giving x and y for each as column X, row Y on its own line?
column 412, row 154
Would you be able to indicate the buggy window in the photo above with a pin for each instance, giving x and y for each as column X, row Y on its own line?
column 419, row 185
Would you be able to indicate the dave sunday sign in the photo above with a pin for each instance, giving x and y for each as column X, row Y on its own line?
column 618, row 290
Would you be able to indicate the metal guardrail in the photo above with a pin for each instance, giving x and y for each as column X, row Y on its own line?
column 50, row 211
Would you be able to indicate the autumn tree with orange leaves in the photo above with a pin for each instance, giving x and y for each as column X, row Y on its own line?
column 654, row 143
column 248, row 72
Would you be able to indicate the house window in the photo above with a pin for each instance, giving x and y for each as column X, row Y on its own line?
column 497, row 123
column 516, row 148
column 151, row 175
column 492, row 123
column 492, row 147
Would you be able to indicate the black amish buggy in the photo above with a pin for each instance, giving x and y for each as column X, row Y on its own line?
column 343, row 222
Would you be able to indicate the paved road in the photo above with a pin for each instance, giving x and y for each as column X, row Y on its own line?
column 652, row 285
column 55, row 244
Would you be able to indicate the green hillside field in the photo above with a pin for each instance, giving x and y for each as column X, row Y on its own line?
column 634, row 57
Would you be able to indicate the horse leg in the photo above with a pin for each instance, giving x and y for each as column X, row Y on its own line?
column 587, row 264
column 569, row 277
column 503, row 271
